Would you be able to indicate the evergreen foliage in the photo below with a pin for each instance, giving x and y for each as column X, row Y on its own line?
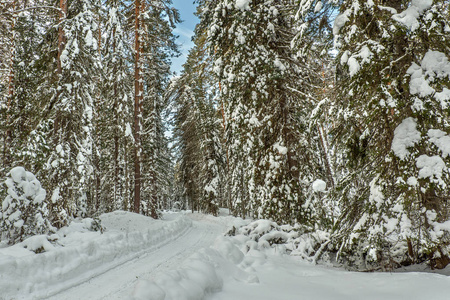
column 197, row 130
column 277, row 114
column 24, row 210
column 389, row 127
column 115, row 123
column 262, row 64
column 156, row 159
column 65, row 100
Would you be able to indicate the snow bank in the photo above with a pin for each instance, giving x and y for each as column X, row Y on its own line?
column 270, row 238
column 282, row 276
column 249, row 264
column 289, row 278
column 253, row 262
column 193, row 281
column 75, row 252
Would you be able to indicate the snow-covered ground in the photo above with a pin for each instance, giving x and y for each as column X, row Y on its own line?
column 77, row 254
column 185, row 256
column 288, row 278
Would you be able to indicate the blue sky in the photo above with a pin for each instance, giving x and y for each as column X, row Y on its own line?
column 185, row 30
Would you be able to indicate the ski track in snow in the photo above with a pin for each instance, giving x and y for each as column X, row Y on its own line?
column 119, row 282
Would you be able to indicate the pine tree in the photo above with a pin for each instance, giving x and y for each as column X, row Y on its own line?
column 67, row 92
column 25, row 133
column 9, row 20
column 138, row 93
column 187, row 140
column 313, row 44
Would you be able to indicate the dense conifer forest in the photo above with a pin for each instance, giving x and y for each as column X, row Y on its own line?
column 329, row 116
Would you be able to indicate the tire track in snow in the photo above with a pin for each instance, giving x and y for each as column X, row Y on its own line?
column 118, row 282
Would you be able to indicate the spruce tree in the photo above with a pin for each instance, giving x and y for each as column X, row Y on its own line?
column 392, row 118
column 69, row 168
column 24, row 210
column 115, row 121
column 265, row 89
column 197, row 130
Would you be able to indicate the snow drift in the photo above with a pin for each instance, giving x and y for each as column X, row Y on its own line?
column 75, row 252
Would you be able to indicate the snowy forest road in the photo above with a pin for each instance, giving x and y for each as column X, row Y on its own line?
column 119, row 282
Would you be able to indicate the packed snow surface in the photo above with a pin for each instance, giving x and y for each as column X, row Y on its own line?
column 237, row 267
column 185, row 256
column 289, row 278
column 77, row 253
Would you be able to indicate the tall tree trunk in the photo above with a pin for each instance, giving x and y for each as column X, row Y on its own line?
column 137, row 109
column 61, row 36
column 325, row 157
column 95, row 127
column 61, row 45
column 228, row 200
column 154, row 129
column 116, row 127
column 153, row 178
column 8, row 133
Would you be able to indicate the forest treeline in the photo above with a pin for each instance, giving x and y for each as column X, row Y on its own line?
column 330, row 114
column 82, row 104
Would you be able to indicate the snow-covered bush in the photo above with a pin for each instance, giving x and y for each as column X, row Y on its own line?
column 24, row 210
column 299, row 240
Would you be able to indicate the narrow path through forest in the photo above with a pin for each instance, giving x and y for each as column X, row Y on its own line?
column 118, row 283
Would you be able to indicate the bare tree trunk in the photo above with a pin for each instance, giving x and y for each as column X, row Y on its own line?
column 61, row 44
column 61, row 36
column 116, row 125
column 95, row 140
column 326, row 157
column 11, row 77
column 126, row 192
column 137, row 109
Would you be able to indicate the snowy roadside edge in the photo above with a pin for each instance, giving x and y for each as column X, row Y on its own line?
column 72, row 266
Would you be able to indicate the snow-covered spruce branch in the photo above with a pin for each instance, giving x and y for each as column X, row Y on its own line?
column 39, row 7
column 320, row 251
column 309, row 96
